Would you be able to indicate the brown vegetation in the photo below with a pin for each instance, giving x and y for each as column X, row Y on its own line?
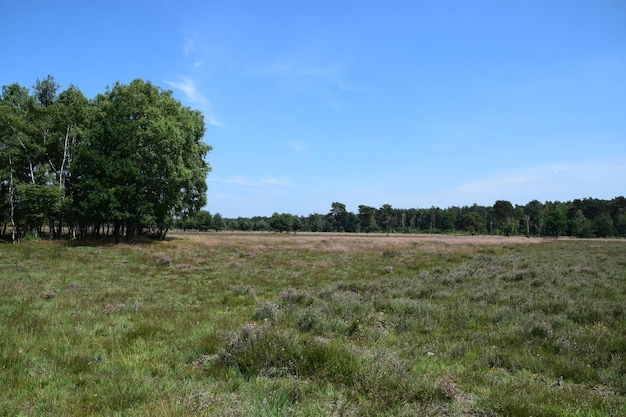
column 342, row 241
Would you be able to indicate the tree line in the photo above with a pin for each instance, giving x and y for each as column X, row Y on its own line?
column 131, row 162
column 586, row 218
column 125, row 163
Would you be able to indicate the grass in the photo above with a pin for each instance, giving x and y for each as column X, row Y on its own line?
column 309, row 325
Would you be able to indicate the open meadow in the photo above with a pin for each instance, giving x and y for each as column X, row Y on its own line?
column 263, row 324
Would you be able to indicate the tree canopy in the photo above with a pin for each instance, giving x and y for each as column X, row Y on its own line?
column 132, row 158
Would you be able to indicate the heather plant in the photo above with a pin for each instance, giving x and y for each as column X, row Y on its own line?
column 268, row 351
column 267, row 311
column 305, row 328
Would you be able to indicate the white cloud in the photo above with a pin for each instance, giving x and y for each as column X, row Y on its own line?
column 245, row 181
column 195, row 98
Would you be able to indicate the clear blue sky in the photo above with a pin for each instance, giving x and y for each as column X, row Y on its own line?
column 409, row 103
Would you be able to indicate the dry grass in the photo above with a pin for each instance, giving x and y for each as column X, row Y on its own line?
column 350, row 242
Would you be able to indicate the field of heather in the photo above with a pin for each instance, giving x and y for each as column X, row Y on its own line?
column 263, row 324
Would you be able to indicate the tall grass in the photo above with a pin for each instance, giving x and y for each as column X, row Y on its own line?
column 271, row 325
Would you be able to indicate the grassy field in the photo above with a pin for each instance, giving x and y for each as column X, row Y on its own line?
column 225, row 324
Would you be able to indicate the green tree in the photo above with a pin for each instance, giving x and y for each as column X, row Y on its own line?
column 556, row 223
column 603, row 226
column 319, row 223
column 142, row 160
column 617, row 210
column 534, row 217
column 432, row 219
column 297, row 224
column 244, row 224
column 217, row 223
column 367, row 218
column 339, row 216
column 54, row 122
column 282, row 222
column 18, row 153
column 203, row 220
column 35, row 205
column 51, row 158
column 448, row 219
column 472, row 222
column 620, row 224
column 71, row 114
column 504, row 214
column 577, row 223
column 386, row 218
column 261, row 226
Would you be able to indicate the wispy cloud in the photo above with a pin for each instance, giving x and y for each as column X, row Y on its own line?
column 280, row 68
column 275, row 181
column 238, row 180
column 298, row 147
column 196, row 98
column 351, row 88
column 188, row 46
column 309, row 77
column 293, row 68
column 323, row 72
column 192, row 52
column 559, row 181
column 247, row 182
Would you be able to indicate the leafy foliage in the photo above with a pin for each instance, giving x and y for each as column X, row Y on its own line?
column 131, row 158
column 145, row 151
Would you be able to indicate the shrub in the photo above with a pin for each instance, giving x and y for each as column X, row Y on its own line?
column 294, row 296
column 244, row 290
column 267, row 311
column 258, row 350
column 447, row 388
column 163, row 260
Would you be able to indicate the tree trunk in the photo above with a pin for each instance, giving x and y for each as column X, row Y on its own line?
column 12, row 198
column 116, row 231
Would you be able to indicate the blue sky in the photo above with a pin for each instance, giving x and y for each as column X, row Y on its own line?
column 408, row 103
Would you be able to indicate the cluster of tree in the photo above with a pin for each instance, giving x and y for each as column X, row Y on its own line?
column 127, row 162
column 581, row 218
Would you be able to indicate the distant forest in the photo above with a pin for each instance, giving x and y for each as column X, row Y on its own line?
column 585, row 218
